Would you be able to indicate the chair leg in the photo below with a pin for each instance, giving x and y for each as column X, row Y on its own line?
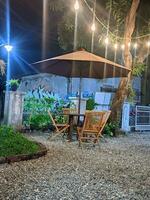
column 99, row 147
column 80, row 142
column 103, row 138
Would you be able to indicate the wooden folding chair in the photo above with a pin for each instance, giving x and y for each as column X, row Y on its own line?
column 93, row 126
column 59, row 128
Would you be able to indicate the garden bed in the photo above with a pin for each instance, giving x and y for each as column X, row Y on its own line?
column 15, row 147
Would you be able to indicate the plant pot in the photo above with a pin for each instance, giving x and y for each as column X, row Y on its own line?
column 13, row 87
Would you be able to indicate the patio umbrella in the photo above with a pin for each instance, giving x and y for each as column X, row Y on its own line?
column 81, row 64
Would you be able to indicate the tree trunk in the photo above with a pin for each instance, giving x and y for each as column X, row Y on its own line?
column 122, row 91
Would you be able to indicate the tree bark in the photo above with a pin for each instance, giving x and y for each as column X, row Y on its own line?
column 122, row 91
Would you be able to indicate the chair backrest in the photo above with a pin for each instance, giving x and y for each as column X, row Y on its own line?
column 53, row 121
column 95, row 121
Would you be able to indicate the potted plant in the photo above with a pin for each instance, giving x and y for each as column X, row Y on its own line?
column 91, row 104
column 13, row 84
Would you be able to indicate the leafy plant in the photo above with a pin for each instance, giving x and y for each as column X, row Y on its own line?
column 111, row 128
column 90, row 104
column 36, row 111
column 39, row 121
column 13, row 84
column 14, row 143
column 138, row 69
column 131, row 93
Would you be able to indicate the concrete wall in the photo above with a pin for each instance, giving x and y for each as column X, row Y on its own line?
column 58, row 85
column 13, row 110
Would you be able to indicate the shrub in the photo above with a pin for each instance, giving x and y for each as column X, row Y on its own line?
column 39, row 121
column 111, row 128
column 36, row 110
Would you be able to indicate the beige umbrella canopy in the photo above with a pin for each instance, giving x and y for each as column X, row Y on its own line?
column 82, row 64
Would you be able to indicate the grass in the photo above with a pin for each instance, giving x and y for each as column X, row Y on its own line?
column 14, row 143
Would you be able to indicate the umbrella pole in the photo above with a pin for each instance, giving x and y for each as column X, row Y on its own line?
column 79, row 103
column 69, row 86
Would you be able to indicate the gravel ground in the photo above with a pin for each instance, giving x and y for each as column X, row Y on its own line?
column 119, row 169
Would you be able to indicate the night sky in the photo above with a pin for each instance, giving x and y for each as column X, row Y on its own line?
column 26, row 33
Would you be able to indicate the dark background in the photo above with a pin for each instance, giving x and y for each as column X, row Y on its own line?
column 26, row 33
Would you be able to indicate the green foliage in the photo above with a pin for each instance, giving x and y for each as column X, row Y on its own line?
column 14, row 143
column 13, row 84
column 34, row 105
column 131, row 93
column 138, row 69
column 61, row 119
column 90, row 104
column 111, row 128
column 37, row 112
column 39, row 121
column 119, row 9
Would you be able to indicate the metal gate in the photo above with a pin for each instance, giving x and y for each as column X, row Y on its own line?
column 142, row 118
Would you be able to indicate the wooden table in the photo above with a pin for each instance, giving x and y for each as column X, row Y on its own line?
column 71, row 117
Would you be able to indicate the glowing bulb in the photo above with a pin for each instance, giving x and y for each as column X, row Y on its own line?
column 148, row 43
column 8, row 47
column 135, row 45
column 116, row 46
column 122, row 46
column 129, row 44
column 106, row 40
column 93, row 28
column 76, row 5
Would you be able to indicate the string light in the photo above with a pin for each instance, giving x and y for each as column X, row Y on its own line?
column 76, row 5
column 93, row 28
column 110, row 32
column 122, row 46
column 129, row 44
column 106, row 40
column 148, row 43
column 135, row 46
column 116, row 46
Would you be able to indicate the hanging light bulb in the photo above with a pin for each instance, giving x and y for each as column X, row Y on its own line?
column 106, row 40
column 148, row 43
column 135, row 46
column 93, row 28
column 122, row 46
column 116, row 46
column 76, row 5
column 129, row 44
